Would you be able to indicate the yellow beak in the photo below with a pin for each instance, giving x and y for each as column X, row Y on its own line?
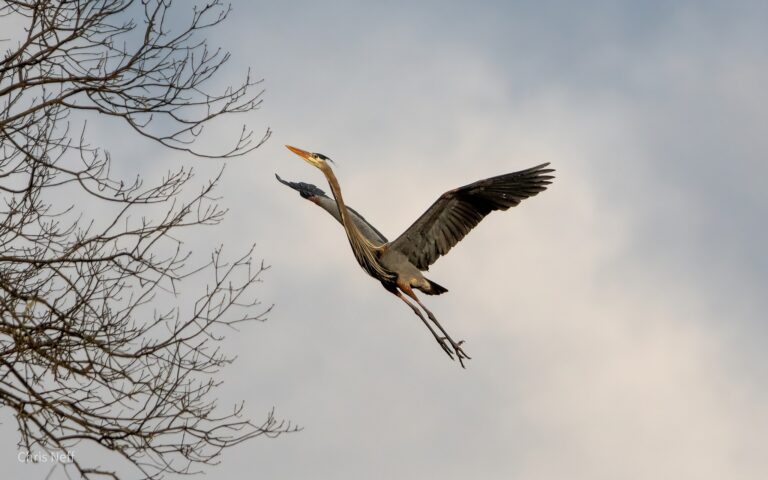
column 304, row 154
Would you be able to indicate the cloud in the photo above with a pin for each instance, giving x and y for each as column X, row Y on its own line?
column 613, row 319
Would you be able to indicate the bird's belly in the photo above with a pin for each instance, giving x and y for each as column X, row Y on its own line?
column 398, row 263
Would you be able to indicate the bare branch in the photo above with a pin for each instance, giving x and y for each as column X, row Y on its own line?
column 96, row 345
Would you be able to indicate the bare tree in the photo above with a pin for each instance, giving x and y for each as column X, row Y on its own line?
column 95, row 346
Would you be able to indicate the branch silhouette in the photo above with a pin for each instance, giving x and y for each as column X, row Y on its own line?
column 95, row 345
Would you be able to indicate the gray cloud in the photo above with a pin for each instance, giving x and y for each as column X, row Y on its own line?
column 614, row 320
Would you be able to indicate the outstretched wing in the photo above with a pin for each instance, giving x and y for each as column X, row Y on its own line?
column 458, row 211
column 317, row 196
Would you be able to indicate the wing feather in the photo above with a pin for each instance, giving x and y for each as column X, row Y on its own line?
column 458, row 211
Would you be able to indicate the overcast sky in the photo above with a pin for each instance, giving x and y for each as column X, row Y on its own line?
column 615, row 321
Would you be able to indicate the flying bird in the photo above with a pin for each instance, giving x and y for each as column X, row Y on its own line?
column 398, row 264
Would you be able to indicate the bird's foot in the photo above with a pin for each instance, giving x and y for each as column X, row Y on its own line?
column 445, row 345
column 454, row 348
column 460, row 354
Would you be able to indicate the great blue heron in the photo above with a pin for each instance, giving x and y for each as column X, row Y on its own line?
column 398, row 264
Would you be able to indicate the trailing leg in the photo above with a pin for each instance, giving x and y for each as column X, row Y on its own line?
column 439, row 339
column 455, row 346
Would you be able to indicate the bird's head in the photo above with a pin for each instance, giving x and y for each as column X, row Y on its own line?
column 315, row 159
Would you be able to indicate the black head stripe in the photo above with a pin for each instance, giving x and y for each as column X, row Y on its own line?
column 324, row 158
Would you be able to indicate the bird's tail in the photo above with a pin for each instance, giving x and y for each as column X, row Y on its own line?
column 434, row 288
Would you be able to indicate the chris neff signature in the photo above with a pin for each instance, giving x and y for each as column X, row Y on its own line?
column 25, row 456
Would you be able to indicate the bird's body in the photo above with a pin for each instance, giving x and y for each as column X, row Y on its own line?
column 398, row 264
column 391, row 259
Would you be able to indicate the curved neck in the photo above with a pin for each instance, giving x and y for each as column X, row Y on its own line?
column 349, row 225
column 364, row 250
column 366, row 229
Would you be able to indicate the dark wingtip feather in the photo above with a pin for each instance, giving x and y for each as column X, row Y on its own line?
column 306, row 190
column 539, row 169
